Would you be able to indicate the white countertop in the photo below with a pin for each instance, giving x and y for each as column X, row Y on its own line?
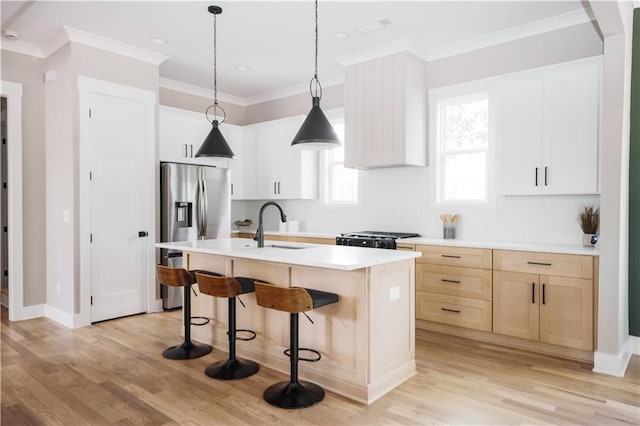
column 316, row 255
column 496, row 245
column 502, row 245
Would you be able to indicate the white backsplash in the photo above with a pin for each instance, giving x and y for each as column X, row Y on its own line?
column 397, row 199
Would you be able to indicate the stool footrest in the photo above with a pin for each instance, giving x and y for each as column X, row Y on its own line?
column 252, row 334
column 203, row 321
column 287, row 352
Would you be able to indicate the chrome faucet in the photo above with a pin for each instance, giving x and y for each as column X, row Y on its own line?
column 260, row 232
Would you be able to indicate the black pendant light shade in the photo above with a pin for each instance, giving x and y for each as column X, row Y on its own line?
column 316, row 132
column 215, row 145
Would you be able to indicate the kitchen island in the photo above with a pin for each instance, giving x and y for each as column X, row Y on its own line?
column 367, row 339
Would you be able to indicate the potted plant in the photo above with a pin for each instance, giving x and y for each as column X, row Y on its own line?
column 589, row 219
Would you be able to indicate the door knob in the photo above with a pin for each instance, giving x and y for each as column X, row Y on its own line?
column 142, row 234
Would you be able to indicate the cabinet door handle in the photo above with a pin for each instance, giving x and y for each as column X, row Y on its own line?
column 274, row 187
column 451, row 310
column 544, row 298
column 539, row 263
column 186, row 151
column 444, row 280
column 533, row 292
column 450, row 255
column 536, row 176
column 191, row 151
column 231, row 189
column 278, row 187
column 546, row 180
column 143, row 234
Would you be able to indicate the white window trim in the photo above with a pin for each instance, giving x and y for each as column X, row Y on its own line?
column 464, row 90
column 336, row 115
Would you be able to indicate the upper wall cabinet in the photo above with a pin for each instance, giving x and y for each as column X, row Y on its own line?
column 181, row 134
column 277, row 170
column 385, row 112
column 547, row 129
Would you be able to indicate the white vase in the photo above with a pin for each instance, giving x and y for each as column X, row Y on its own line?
column 589, row 240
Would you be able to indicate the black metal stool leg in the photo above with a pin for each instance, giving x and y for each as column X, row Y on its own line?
column 294, row 393
column 188, row 349
column 232, row 368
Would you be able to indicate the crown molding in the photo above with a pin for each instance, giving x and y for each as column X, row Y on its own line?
column 179, row 86
column 252, row 100
column 69, row 34
column 330, row 81
column 386, row 49
column 18, row 46
column 534, row 28
column 99, row 42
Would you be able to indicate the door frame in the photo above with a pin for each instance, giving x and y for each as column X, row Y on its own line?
column 13, row 93
column 86, row 87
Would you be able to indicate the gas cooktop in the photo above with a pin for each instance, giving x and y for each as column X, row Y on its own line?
column 374, row 239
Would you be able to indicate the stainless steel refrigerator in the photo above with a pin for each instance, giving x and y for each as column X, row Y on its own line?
column 195, row 203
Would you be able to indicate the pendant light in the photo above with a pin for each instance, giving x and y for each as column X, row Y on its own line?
column 316, row 132
column 215, row 145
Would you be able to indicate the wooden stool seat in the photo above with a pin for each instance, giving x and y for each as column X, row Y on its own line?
column 229, row 288
column 180, row 277
column 294, row 393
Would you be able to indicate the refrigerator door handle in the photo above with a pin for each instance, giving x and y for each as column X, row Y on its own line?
column 198, row 210
column 205, row 207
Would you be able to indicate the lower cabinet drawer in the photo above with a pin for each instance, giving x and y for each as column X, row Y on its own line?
column 454, row 310
column 454, row 281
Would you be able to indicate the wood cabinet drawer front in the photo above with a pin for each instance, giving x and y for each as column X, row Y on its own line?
column 563, row 265
column 454, row 281
column 408, row 247
column 455, row 256
column 453, row 310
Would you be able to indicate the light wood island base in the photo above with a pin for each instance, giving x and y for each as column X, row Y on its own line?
column 367, row 339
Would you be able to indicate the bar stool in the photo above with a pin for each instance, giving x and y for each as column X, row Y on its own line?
column 294, row 393
column 229, row 287
column 179, row 277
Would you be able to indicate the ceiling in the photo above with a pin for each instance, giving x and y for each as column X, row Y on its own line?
column 275, row 39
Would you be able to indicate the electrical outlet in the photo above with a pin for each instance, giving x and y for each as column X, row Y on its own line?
column 394, row 293
column 57, row 289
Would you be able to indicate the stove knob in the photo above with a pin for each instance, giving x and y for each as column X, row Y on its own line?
column 346, row 241
column 339, row 241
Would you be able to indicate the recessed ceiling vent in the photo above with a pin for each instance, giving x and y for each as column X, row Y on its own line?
column 378, row 25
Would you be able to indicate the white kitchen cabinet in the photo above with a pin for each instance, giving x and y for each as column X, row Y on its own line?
column 547, row 129
column 281, row 171
column 181, row 134
column 240, row 166
column 385, row 112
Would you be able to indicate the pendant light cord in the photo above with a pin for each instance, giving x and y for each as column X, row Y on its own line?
column 315, row 71
column 318, row 87
column 215, row 64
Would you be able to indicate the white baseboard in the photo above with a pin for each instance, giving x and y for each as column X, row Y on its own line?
column 61, row 317
column 33, row 311
column 613, row 365
column 635, row 344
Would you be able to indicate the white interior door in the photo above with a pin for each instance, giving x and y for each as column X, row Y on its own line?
column 117, row 136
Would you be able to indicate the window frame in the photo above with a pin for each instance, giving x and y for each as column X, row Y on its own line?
column 438, row 99
column 336, row 116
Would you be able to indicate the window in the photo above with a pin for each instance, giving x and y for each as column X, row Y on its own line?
column 462, row 149
column 341, row 183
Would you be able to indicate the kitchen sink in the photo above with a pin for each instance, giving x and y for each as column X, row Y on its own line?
column 286, row 247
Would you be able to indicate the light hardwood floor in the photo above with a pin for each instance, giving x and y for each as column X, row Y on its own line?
column 113, row 373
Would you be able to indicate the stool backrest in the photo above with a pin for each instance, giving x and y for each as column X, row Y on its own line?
column 287, row 299
column 175, row 277
column 218, row 286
